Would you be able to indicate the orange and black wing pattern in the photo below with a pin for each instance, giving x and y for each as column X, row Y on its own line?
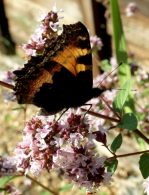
column 62, row 76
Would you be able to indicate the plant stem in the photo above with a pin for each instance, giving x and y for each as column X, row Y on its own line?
column 100, row 115
column 43, row 186
column 128, row 154
column 137, row 132
column 140, row 134
column 110, row 108
column 20, row 174
column 4, row 84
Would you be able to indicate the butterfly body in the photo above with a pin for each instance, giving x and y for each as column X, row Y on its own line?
column 62, row 76
column 68, row 94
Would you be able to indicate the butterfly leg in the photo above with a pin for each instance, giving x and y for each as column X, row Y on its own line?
column 62, row 114
column 90, row 106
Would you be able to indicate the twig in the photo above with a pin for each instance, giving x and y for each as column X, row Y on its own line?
column 43, row 186
column 4, row 84
column 35, row 181
column 107, row 104
column 140, row 134
column 137, row 132
column 101, row 115
column 20, row 174
column 128, row 154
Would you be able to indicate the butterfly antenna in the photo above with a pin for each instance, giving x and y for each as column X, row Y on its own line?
column 109, row 74
column 124, row 89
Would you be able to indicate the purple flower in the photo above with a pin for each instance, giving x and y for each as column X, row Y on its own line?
column 8, row 78
column 146, row 186
column 11, row 189
column 96, row 42
column 35, row 45
column 81, row 165
column 34, row 152
column 7, row 166
column 131, row 9
column 44, row 33
column 67, row 144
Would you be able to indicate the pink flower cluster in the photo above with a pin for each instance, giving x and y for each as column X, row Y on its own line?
column 146, row 185
column 131, row 9
column 11, row 189
column 96, row 43
column 35, row 45
column 46, row 31
column 68, row 145
column 8, row 78
column 7, row 166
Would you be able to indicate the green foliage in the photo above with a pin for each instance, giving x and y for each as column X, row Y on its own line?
column 106, row 66
column 121, row 97
column 117, row 142
column 129, row 121
column 19, row 108
column 103, row 193
column 120, row 44
column 112, row 165
column 5, row 180
column 8, row 118
column 145, row 92
column 124, row 73
column 144, row 165
column 66, row 187
column 45, row 193
column 119, row 39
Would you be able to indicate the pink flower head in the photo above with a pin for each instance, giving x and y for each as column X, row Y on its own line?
column 8, row 78
column 96, row 42
column 131, row 9
column 11, row 189
column 45, row 32
column 68, row 145
column 146, row 186
column 7, row 166
column 35, row 45
column 82, row 166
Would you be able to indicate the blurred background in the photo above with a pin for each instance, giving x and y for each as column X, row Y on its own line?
column 19, row 19
column 24, row 16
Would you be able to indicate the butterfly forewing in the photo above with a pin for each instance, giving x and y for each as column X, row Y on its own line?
column 62, row 76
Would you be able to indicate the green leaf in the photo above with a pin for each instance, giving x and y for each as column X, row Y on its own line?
column 19, row 108
column 103, row 193
column 5, row 180
column 45, row 193
column 129, row 121
column 106, row 66
column 144, row 93
column 116, row 143
column 124, row 72
column 112, row 165
column 119, row 39
column 8, row 118
column 144, row 165
column 121, row 97
column 66, row 187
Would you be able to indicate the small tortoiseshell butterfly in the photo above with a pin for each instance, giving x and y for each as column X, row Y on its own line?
column 62, row 76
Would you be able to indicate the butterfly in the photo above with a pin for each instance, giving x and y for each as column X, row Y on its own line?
column 60, row 78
